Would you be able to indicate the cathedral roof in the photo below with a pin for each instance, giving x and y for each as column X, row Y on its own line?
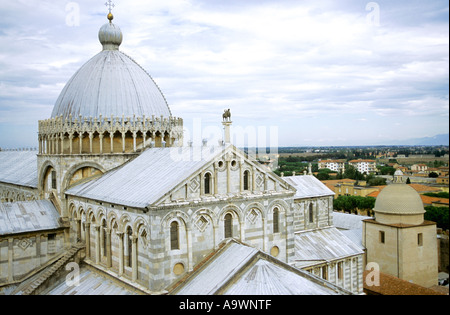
column 92, row 282
column 19, row 168
column 319, row 245
column 238, row 269
column 308, row 186
column 111, row 84
column 28, row 216
column 149, row 177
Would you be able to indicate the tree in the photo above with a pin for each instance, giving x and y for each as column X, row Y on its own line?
column 387, row 170
column 438, row 215
column 352, row 173
column 372, row 180
column 323, row 176
column 353, row 203
column 441, row 194
column 367, row 203
column 345, row 203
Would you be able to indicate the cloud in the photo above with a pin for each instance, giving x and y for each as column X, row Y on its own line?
column 306, row 66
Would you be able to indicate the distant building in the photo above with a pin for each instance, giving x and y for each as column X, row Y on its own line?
column 364, row 166
column 351, row 189
column 442, row 180
column 334, row 165
column 443, row 170
column 419, row 167
column 404, row 169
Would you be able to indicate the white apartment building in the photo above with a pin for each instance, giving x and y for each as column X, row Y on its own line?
column 364, row 166
column 334, row 165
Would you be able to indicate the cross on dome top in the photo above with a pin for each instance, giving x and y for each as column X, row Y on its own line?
column 110, row 35
column 110, row 5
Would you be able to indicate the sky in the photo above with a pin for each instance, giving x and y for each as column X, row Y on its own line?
column 294, row 72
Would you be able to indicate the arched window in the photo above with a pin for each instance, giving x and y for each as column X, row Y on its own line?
column 325, row 272
column 246, row 180
column 275, row 220
column 104, row 231
column 129, row 246
column 340, row 270
column 83, row 225
column 207, row 183
column 174, row 241
column 53, row 179
column 311, row 213
column 228, row 226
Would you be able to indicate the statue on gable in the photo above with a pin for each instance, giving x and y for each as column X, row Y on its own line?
column 227, row 115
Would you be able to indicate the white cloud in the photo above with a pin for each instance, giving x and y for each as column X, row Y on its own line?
column 271, row 62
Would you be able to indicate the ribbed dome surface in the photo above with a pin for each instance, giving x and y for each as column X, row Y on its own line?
column 110, row 36
column 399, row 199
column 111, row 84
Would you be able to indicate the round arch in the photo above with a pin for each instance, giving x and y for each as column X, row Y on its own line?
column 234, row 210
column 258, row 206
column 201, row 219
column 233, row 228
column 139, row 222
column 90, row 215
column 124, row 223
column 73, row 212
column 282, row 205
column 81, row 212
column 42, row 174
column 100, row 215
column 75, row 168
column 111, row 220
column 206, row 212
column 175, row 215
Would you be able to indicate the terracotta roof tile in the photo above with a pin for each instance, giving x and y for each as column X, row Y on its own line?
column 390, row 285
column 424, row 188
column 427, row 200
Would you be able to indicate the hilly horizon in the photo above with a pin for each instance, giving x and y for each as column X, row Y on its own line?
column 441, row 139
column 437, row 140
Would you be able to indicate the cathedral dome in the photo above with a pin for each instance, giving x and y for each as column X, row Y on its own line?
column 399, row 203
column 111, row 84
column 399, row 199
